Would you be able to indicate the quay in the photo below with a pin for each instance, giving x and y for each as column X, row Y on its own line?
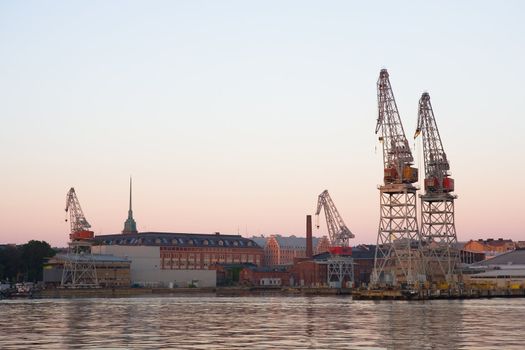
column 355, row 294
column 472, row 293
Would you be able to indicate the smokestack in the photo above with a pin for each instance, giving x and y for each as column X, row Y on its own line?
column 309, row 242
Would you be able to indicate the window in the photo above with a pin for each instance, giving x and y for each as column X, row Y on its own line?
column 205, row 242
column 221, row 242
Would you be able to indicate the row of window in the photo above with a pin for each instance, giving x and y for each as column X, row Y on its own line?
column 191, row 261
column 199, row 249
column 179, row 241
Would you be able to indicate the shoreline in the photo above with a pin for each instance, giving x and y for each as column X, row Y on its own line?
column 265, row 291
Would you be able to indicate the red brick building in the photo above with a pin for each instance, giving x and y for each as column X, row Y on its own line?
column 265, row 276
column 282, row 250
column 490, row 247
column 191, row 251
column 309, row 273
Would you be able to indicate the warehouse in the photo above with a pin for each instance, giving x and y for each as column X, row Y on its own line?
column 111, row 271
column 178, row 259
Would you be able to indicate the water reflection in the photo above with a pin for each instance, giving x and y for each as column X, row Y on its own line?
column 260, row 323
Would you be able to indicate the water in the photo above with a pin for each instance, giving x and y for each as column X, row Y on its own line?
column 209, row 322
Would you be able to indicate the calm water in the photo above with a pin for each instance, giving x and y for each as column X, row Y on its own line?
column 260, row 323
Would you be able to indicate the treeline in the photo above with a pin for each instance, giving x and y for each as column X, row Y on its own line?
column 24, row 263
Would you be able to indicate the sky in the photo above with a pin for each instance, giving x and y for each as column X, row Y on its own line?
column 233, row 116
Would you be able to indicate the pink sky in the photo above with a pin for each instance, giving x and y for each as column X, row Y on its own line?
column 233, row 117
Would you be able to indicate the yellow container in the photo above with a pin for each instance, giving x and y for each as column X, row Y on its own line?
column 410, row 174
column 514, row 286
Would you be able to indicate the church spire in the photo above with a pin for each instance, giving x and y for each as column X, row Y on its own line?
column 130, row 226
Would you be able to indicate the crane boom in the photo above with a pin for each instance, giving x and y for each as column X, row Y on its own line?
column 397, row 156
column 436, row 163
column 338, row 232
column 79, row 225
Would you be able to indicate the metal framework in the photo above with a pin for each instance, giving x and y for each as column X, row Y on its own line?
column 338, row 232
column 340, row 266
column 438, row 230
column 340, row 269
column 77, row 220
column 398, row 254
column 79, row 265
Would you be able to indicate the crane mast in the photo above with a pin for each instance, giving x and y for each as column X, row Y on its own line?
column 79, row 265
column 438, row 231
column 338, row 232
column 398, row 253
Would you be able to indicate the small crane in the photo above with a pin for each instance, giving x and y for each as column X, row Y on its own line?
column 79, row 266
column 338, row 232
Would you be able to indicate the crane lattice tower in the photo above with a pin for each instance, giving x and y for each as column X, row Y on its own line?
column 438, row 230
column 398, row 258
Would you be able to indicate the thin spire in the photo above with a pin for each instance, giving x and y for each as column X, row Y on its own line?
column 130, row 191
column 129, row 225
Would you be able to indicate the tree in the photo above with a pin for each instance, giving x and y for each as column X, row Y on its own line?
column 10, row 262
column 24, row 262
column 33, row 255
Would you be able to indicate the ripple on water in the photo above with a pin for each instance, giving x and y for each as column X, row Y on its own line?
column 260, row 323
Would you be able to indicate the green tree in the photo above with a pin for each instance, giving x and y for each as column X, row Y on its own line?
column 10, row 262
column 33, row 255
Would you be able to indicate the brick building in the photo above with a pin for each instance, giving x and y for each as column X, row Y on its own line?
column 363, row 256
column 490, row 247
column 282, row 250
column 309, row 273
column 265, row 276
column 160, row 258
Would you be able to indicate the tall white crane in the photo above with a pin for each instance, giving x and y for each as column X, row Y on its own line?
column 438, row 230
column 398, row 253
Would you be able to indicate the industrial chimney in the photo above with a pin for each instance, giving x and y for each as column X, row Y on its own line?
column 309, row 242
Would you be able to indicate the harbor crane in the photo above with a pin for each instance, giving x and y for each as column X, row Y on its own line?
column 338, row 232
column 438, row 231
column 398, row 253
column 340, row 265
column 79, row 225
column 79, row 265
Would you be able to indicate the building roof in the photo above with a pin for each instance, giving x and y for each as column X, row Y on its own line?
column 515, row 257
column 260, row 240
column 294, row 242
column 177, row 239
column 500, row 273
